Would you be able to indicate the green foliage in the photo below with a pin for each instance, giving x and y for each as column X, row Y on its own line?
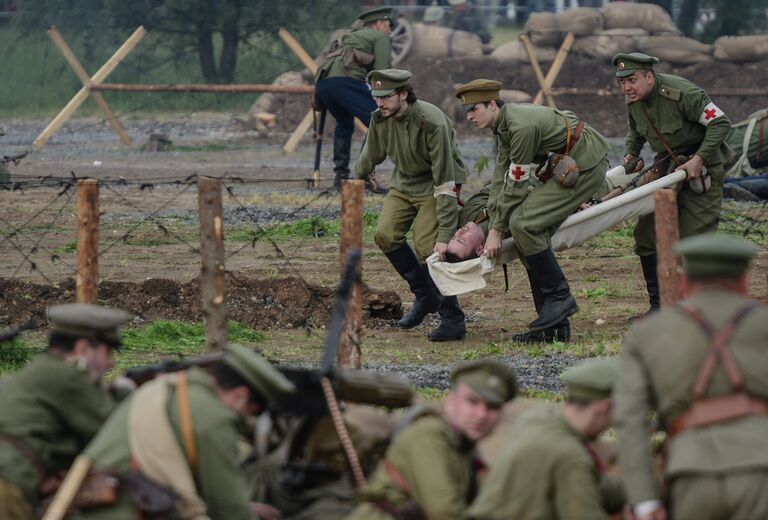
column 543, row 394
column 15, row 354
column 593, row 294
column 431, row 394
column 317, row 227
column 179, row 336
column 481, row 164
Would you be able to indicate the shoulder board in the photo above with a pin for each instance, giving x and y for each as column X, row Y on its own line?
column 670, row 93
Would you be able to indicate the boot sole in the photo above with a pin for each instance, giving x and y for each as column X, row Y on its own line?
column 442, row 339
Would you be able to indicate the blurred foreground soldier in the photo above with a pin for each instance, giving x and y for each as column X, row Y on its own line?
column 465, row 17
column 5, row 175
column 702, row 366
column 429, row 170
column 173, row 446
column 340, row 82
column 546, row 469
column 569, row 159
column 433, row 15
column 52, row 407
column 677, row 119
column 430, row 469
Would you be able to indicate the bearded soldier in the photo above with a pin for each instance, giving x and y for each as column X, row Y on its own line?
column 429, row 170
column 676, row 118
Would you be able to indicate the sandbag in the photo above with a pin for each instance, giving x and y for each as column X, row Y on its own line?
column 549, row 29
column 742, row 48
column 515, row 96
column 443, row 42
column 676, row 49
column 514, row 51
column 624, row 15
column 606, row 44
column 265, row 102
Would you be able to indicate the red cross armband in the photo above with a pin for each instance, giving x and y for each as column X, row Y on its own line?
column 710, row 113
column 520, row 172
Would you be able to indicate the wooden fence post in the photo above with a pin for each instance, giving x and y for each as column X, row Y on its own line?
column 212, row 275
column 667, row 235
column 351, row 238
column 87, row 280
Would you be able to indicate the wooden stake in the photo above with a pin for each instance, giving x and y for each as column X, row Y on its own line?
column 308, row 62
column 87, row 280
column 554, row 70
column 66, row 493
column 84, row 92
column 212, row 274
column 351, row 238
column 667, row 235
column 80, row 72
column 243, row 88
column 537, row 69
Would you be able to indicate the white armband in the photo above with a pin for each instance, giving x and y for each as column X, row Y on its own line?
column 447, row 188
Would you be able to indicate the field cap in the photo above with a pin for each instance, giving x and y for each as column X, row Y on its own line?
column 433, row 13
column 383, row 82
column 627, row 63
column 479, row 91
column 493, row 380
column 375, row 14
column 591, row 381
column 84, row 320
column 715, row 255
column 265, row 379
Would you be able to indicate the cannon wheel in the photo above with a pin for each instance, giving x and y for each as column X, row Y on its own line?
column 402, row 39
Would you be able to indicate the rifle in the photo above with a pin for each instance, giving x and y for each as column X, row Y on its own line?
column 657, row 167
column 8, row 335
column 319, row 145
column 15, row 159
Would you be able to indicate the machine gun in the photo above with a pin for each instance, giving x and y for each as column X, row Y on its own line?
column 8, row 335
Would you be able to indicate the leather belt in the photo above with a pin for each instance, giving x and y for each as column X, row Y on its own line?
column 716, row 410
column 574, row 137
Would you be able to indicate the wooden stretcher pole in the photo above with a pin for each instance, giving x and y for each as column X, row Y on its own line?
column 537, row 69
column 84, row 92
column 80, row 72
column 308, row 62
column 667, row 235
column 554, row 70
column 68, row 490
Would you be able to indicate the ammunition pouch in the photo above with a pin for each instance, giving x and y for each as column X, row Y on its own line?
column 561, row 167
column 154, row 501
column 99, row 488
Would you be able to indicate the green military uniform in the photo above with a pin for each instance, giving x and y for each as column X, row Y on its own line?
column 690, row 123
column 215, row 427
column 748, row 142
column 430, row 465
column 51, row 408
column 545, row 470
column 717, row 470
column 525, row 137
column 475, row 209
column 423, row 196
column 469, row 19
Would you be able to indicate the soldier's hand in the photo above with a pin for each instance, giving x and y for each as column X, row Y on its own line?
column 693, row 166
column 265, row 511
column 440, row 249
column 640, row 163
column 493, row 243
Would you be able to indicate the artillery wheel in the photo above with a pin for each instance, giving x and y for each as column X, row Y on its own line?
column 402, row 39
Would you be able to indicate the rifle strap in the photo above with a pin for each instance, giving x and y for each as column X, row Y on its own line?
column 185, row 416
column 676, row 158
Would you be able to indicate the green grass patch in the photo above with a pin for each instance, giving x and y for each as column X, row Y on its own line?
column 181, row 337
column 69, row 247
column 315, row 227
column 429, row 393
column 15, row 354
column 546, row 395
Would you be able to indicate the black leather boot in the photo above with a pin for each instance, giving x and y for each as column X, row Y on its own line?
column 557, row 301
column 342, row 147
column 452, row 326
column 648, row 263
column 427, row 298
column 558, row 332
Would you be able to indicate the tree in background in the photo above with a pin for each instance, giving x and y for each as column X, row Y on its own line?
column 735, row 18
column 686, row 20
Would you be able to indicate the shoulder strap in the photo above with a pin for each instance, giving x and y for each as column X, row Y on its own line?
column 718, row 349
column 185, row 416
column 676, row 158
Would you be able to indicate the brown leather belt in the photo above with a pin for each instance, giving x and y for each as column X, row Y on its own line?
column 571, row 138
column 716, row 410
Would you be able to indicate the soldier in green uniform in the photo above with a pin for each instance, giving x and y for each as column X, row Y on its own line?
column 702, row 366
column 52, row 407
column 676, row 118
column 465, row 17
column 5, row 175
column 569, row 158
column 180, row 432
column 429, row 170
column 430, row 467
column 546, row 470
column 340, row 82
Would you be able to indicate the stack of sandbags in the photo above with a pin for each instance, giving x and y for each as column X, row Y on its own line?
column 261, row 114
column 514, row 51
column 676, row 49
column 443, row 42
column 608, row 43
column 549, row 29
column 625, row 15
column 742, row 48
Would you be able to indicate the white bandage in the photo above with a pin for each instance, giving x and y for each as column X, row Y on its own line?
column 447, row 188
column 710, row 113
